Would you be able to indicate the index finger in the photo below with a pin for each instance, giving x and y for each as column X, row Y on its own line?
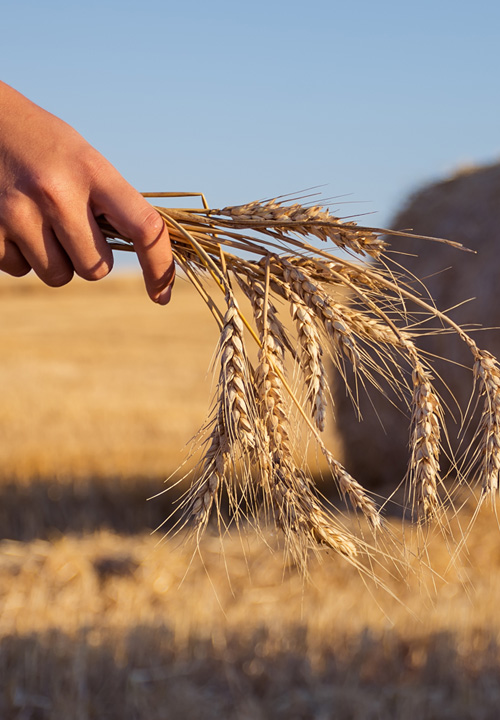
column 132, row 215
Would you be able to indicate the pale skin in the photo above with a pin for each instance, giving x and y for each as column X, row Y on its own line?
column 53, row 186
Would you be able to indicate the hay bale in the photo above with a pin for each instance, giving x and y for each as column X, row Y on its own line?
column 463, row 208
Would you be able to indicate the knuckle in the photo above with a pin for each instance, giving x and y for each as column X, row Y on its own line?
column 98, row 172
column 94, row 163
column 97, row 271
column 53, row 191
column 15, row 211
column 150, row 225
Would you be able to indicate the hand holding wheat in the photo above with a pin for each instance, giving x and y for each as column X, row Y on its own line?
column 53, row 185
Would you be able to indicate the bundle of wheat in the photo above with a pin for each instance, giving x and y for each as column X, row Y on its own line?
column 261, row 248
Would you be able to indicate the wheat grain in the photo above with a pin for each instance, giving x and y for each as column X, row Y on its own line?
column 424, row 440
column 266, row 317
column 327, row 270
column 330, row 314
column 487, row 373
column 349, row 487
column 315, row 221
column 198, row 503
column 300, row 516
column 235, row 396
column 310, row 358
column 272, row 404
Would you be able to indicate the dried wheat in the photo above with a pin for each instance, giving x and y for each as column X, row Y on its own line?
column 299, row 515
column 216, row 461
column 310, row 359
column 424, row 441
column 349, row 487
column 315, row 221
column 234, row 381
column 487, row 373
column 357, row 313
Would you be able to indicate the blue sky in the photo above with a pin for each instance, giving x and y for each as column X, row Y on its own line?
column 251, row 100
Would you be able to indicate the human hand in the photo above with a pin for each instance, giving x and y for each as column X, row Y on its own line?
column 53, row 186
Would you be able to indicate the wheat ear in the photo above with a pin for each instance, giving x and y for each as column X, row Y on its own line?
column 235, row 392
column 314, row 220
column 424, row 440
column 302, row 519
column 487, row 374
column 350, row 488
column 199, row 501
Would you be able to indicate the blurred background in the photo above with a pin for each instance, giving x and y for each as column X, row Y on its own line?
column 101, row 391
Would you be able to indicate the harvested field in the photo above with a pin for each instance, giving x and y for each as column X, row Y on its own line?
column 110, row 626
column 93, row 384
column 98, row 619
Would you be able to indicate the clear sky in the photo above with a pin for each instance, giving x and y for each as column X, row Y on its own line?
column 251, row 100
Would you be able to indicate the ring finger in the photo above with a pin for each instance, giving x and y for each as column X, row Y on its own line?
column 46, row 256
column 12, row 261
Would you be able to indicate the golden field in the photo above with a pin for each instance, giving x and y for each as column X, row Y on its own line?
column 100, row 618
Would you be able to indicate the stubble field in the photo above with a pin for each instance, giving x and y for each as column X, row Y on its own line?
column 100, row 618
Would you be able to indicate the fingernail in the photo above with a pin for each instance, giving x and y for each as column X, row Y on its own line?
column 165, row 295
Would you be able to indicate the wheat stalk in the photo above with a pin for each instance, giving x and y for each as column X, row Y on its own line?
column 357, row 312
